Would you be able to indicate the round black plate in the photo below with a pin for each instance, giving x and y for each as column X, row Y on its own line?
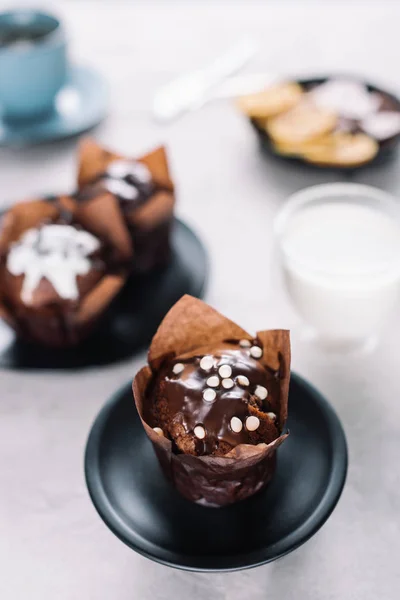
column 133, row 318
column 386, row 151
column 131, row 495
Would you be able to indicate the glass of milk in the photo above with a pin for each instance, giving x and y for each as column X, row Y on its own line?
column 340, row 252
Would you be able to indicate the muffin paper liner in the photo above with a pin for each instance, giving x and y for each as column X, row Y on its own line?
column 65, row 323
column 210, row 480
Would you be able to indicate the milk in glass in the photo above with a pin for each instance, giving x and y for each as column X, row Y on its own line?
column 341, row 262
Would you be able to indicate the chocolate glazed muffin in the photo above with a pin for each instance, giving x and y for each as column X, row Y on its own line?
column 213, row 402
column 144, row 191
column 220, row 397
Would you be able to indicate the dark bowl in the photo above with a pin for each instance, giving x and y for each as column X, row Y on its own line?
column 145, row 511
column 387, row 148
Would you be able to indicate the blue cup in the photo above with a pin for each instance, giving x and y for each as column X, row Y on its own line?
column 33, row 63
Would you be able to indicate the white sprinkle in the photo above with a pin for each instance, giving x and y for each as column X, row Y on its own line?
column 244, row 343
column 159, row 431
column 207, row 363
column 199, row 432
column 236, row 424
column 261, row 392
column 227, row 383
column 271, row 415
column 225, row 371
column 118, row 187
column 213, row 381
column 209, row 395
column 58, row 253
column 141, row 172
column 256, row 352
column 252, row 423
column 178, row 368
column 243, row 380
column 119, row 168
column 124, row 168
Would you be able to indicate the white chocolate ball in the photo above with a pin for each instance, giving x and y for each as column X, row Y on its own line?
column 213, row 381
column 225, row 371
column 178, row 368
column 244, row 343
column 256, row 352
column 209, row 395
column 252, row 423
column 199, row 432
column 227, row 383
column 261, row 392
column 243, row 380
column 236, row 425
column 207, row 363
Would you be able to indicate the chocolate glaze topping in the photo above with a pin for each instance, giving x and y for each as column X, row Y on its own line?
column 184, row 392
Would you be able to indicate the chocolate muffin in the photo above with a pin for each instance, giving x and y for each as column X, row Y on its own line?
column 56, row 276
column 213, row 402
column 144, row 191
column 221, row 396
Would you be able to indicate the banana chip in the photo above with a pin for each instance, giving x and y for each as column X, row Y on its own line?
column 272, row 101
column 300, row 125
column 342, row 149
column 290, row 149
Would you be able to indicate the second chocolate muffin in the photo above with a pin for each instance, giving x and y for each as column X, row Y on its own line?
column 144, row 191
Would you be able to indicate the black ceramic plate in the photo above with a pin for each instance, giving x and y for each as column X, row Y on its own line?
column 131, row 495
column 387, row 148
column 133, row 319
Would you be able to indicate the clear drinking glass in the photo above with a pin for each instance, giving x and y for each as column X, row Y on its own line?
column 339, row 246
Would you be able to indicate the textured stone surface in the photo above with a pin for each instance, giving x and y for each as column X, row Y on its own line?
column 52, row 543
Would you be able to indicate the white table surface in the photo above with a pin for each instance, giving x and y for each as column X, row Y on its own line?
column 53, row 546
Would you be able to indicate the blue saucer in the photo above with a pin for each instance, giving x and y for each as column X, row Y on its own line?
column 80, row 105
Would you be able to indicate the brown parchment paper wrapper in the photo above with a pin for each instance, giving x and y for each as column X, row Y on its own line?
column 64, row 323
column 209, row 480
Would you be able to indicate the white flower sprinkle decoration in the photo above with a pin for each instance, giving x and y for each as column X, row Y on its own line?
column 58, row 253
